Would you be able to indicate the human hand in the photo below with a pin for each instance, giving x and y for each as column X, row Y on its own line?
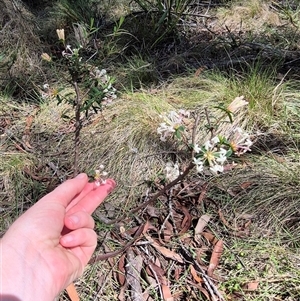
column 48, row 247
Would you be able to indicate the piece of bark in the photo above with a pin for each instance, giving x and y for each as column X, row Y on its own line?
column 133, row 275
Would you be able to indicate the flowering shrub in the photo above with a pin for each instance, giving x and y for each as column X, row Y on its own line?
column 93, row 87
column 214, row 153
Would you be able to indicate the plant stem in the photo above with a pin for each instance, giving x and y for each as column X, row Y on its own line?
column 78, row 126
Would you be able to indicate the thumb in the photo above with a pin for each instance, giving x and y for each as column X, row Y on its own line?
column 66, row 192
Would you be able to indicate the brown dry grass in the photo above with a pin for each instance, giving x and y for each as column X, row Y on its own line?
column 20, row 44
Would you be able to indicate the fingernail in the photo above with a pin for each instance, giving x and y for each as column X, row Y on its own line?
column 81, row 176
column 74, row 219
column 111, row 186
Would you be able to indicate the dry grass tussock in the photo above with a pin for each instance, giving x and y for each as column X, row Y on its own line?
column 252, row 16
column 20, row 44
column 267, row 189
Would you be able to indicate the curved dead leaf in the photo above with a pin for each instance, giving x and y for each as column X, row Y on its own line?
column 195, row 275
column 164, row 251
column 215, row 257
column 72, row 292
column 202, row 223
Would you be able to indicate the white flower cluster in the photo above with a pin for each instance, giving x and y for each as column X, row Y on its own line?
column 172, row 122
column 211, row 154
column 100, row 175
column 240, row 143
column 105, row 81
column 69, row 52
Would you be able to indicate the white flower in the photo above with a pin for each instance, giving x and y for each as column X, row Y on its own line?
column 216, row 168
column 102, row 72
column 68, row 47
column 248, row 143
column 173, row 121
column 61, row 34
column 222, row 156
column 196, row 148
column 100, row 176
column 221, row 159
column 46, row 86
column 223, row 151
column 207, row 145
column 215, row 140
column 199, row 164
column 165, row 131
column 240, row 143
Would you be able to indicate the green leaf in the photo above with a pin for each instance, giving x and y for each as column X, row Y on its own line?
column 181, row 128
column 229, row 113
column 178, row 134
column 229, row 153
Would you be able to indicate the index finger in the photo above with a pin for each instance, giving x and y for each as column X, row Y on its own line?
column 94, row 198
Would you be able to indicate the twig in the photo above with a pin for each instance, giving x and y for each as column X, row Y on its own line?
column 171, row 211
column 162, row 227
column 115, row 253
column 210, row 127
column 194, row 132
column 78, row 125
column 208, row 283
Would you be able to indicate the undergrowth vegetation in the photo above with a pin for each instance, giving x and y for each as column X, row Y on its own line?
column 164, row 56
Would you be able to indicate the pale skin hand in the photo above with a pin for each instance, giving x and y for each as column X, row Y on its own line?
column 50, row 244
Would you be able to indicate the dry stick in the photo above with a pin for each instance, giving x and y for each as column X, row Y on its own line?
column 155, row 196
column 163, row 225
column 78, row 125
column 208, row 283
column 210, row 126
column 115, row 253
column 157, row 280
